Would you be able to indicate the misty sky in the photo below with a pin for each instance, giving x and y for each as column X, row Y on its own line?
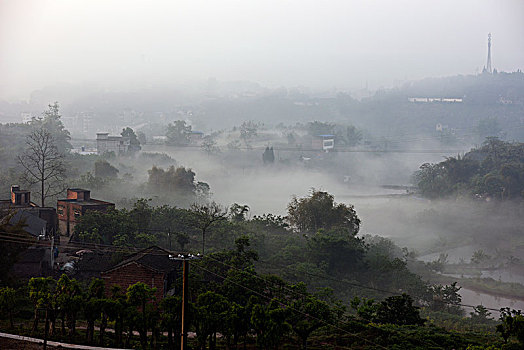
column 320, row 44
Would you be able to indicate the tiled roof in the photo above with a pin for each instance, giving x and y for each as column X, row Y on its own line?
column 33, row 224
column 153, row 257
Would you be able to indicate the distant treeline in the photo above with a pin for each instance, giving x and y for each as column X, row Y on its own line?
column 495, row 171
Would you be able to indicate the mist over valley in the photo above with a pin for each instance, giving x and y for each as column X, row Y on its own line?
column 274, row 175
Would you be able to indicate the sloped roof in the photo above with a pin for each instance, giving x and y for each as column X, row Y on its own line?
column 33, row 224
column 154, row 258
column 94, row 261
column 31, row 255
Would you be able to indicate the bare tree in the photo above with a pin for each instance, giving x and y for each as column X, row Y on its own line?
column 207, row 215
column 43, row 164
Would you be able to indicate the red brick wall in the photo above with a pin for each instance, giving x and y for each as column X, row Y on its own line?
column 68, row 209
column 132, row 273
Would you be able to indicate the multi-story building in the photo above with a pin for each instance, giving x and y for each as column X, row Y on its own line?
column 116, row 144
column 77, row 203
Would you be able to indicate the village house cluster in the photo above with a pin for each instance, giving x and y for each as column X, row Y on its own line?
column 53, row 252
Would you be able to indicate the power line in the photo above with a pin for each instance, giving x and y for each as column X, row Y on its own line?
column 363, row 286
column 116, row 249
column 289, row 307
column 329, row 278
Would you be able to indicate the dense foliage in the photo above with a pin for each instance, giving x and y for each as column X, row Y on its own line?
column 331, row 253
column 495, row 170
column 230, row 304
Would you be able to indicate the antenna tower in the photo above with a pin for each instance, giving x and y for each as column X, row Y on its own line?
column 488, row 64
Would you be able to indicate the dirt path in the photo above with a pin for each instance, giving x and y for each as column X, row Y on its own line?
column 13, row 341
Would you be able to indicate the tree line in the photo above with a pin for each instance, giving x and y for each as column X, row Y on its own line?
column 494, row 170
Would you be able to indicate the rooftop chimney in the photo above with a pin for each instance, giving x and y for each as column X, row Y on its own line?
column 78, row 194
column 19, row 197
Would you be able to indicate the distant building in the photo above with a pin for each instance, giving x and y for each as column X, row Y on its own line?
column 323, row 142
column 196, row 137
column 26, row 117
column 152, row 266
column 80, row 123
column 77, row 203
column 434, row 99
column 159, row 139
column 116, row 144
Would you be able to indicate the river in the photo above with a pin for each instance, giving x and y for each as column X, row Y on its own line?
column 470, row 297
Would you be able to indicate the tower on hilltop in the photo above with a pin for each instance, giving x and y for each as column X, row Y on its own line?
column 488, row 63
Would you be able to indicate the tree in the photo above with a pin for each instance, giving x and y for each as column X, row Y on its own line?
column 446, row 298
column 319, row 210
column 270, row 323
column 92, row 306
column 104, row 169
column 117, row 312
column 40, row 291
column 512, row 324
column 238, row 212
column 138, row 295
column 52, row 123
column 212, row 310
column 431, row 180
column 479, row 257
column 171, row 307
column 178, row 133
column 173, row 179
column 336, row 251
column 398, row 310
column 134, row 143
column 320, row 128
column 366, row 309
column 209, row 145
column 8, row 303
column 207, row 215
column 70, row 301
column 348, row 135
column 248, row 130
column 268, row 156
column 141, row 137
column 308, row 314
column 291, row 139
column 480, row 314
column 43, row 164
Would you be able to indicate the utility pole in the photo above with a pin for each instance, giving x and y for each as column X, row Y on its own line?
column 52, row 253
column 46, row 331
column 185, row 293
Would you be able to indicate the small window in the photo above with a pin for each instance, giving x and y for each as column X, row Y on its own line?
column 60, row 210
column 77, row 213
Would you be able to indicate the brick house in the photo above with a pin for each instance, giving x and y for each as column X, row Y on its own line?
column 152, row 265
column 77, row 203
